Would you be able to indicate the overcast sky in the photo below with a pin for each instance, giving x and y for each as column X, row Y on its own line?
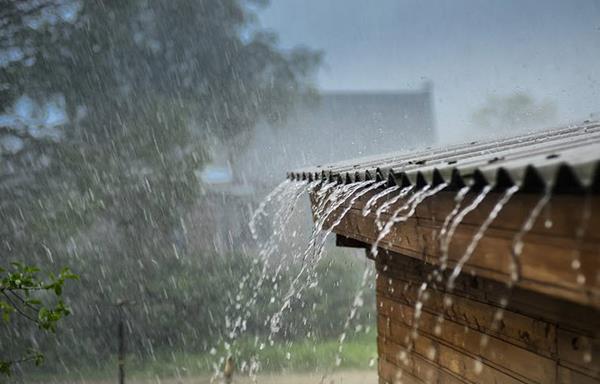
column 470, row 49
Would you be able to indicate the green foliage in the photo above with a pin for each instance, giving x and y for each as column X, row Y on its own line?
column 359, row 353
column 182, row 308
column 307, row 355
column 147, row 85
column 25, row 294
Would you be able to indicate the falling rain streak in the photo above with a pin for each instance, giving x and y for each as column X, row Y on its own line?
column 389, row 207
column 144, row 231
column 518, row 244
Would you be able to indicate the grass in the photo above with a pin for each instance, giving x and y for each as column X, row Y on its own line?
column 358, row 353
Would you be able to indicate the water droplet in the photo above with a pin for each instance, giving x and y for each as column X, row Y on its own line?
column 403, row 356
column 483, row 342
column 498, row 315
column 431, row 352
column 478, row 367
column 447, row 301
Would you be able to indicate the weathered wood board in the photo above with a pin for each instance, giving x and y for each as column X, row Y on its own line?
column 545, row 329
column 560, row 256
column 521, row 346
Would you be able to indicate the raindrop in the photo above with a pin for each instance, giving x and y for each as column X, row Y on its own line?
column 478, row 367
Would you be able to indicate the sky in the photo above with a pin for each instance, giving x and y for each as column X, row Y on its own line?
column 469, row 49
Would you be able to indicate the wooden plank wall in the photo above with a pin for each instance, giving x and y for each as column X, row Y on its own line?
column 549, row 331
column 561, row 235
column 538, row 338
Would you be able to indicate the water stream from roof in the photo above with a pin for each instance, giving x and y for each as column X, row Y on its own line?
column 312, row 278
column 388, row 203
column 518, row 243
column 479, row 235
column 580, row 232
column 328, row 205
column 456, row 220
column 445, row 235
column 260, row 211
column 331, row 203
column 370, row 186
column 278, row 206
column 375, row 198
column 356, row 304
column 411, row 206
column 515, row 265
column 281, row 217
column 455, row 216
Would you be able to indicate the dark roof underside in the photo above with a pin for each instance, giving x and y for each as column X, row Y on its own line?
column 564, row 160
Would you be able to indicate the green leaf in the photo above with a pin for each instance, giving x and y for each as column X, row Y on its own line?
column 17, row 265
column 5, row 367
column 34, row 302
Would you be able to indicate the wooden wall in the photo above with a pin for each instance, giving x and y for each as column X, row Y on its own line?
column 538, row 338
column 549, row 251
column 549, row 331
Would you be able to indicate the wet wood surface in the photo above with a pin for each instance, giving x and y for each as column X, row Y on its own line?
column 544, row 329
column 560, row 255
column 472, row 343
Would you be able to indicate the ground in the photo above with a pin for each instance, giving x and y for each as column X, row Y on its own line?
column 345, row 377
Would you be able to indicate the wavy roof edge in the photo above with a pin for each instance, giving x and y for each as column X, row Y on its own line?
column 565, row 160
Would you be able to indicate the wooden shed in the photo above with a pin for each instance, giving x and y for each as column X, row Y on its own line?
column 490, row 272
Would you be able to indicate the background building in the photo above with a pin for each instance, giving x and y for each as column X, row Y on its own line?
column 332, row 127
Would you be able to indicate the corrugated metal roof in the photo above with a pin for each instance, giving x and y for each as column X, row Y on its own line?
column 566, row 160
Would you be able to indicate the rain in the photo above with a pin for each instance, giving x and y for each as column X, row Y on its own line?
column 319, row 191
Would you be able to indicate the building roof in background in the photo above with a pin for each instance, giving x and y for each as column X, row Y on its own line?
column 565, row 160
column 340, row 125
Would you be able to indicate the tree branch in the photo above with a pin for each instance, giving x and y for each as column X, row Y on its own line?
column 19, row 311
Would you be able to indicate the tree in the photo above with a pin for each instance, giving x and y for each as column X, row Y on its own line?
column 20, row 292
column 143, row 84
column 515, row 111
